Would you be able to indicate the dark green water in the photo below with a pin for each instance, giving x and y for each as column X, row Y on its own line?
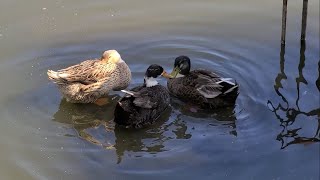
column 272, row 133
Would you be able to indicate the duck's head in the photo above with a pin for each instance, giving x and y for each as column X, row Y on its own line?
column 111, row 56
column 152, row 73
column 181, row 66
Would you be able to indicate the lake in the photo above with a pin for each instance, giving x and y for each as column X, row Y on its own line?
column 271, row 133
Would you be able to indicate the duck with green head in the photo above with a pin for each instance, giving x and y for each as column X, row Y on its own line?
column 201, row 87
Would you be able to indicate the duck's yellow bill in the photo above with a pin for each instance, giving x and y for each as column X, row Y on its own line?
column 166, row 75
column 175, row 72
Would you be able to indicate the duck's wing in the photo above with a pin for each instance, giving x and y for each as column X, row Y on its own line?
column 206, row 73
column 211, row 85
column 206, row 86
column 87, row 72
column 142, row 98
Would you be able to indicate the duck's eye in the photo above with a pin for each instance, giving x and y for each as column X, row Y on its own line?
column 109, row 57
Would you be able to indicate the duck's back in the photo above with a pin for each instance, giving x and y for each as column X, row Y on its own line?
column 203, row 88
column 142, row 109
column 122, row 76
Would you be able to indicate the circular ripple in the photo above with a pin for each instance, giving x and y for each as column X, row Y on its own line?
column 63, row 127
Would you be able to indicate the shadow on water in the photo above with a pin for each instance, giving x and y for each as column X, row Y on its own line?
column 290, row 134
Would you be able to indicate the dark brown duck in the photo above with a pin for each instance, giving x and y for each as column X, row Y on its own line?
column 142, row 105
column 201, row 87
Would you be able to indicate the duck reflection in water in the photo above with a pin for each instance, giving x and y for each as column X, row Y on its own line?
column 83, row 117
column 220, row 116
column 290, row 133
column 91, row 122
column 150, row 139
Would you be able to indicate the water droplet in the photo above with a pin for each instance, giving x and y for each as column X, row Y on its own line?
column 44, row 8
column 45, row 138
column 61, row 148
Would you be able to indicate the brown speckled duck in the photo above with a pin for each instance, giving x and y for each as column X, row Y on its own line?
column 201, row 87
column 143, row 104
column 92, row 79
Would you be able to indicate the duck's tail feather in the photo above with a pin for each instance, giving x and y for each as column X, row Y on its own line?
column 232, row 89
column 132, row 93
column 230, row 86
column 227, row 80
column 128, row 92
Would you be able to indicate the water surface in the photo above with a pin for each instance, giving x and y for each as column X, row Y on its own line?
column 271, row 133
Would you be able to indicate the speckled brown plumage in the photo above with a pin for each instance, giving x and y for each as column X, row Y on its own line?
column 92, row 79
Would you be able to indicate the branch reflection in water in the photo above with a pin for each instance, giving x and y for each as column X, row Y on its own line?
column 290, row 134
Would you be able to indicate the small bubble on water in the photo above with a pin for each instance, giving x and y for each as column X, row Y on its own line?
column 61, row 148
column 1, row 35
column 45, row 138
column 44, row 8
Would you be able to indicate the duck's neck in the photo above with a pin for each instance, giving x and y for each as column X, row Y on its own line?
column 150, row 81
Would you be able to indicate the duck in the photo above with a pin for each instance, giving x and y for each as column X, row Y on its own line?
column 200, row 87
column 142, row 105
column 91, row 80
